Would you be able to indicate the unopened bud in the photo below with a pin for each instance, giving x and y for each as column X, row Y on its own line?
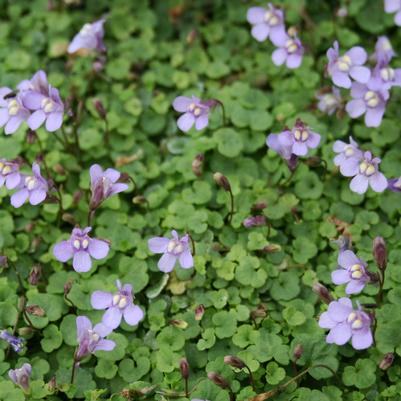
column 76, row 197
column 260, row 311
column 222, row 181
column 69, row 218
column 199, row 312
column 380, row 253
column 272, row 248
column 35, row 310
column 234, row 361
column 67, row 287
column 292, row 31
column 298, row 351
column 181, row 324
column 191, row 36
column 35, row 243
column 387, row 361
column 124, row 177
column 35, row 275
column 100, row 109
column 259, row 206
column 313, row 161
column 292, row 162
column 322, row 292
column 184, row 368
column 30, row 136
column 254, row 221
column 139, row 200
column 52, row 385
column 3, row 261
column 218, row 380
column 197, row 164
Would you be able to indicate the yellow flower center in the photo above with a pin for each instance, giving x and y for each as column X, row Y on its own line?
column 47, row 105
column 30, row 183
column 387, row 74
column 291, row 46
column 371, row 98
column 367, row 168
column 13, row 107
column 356, row 271
column 271, row 18
column 197, row 111
column 344, row 63
column 175, row 247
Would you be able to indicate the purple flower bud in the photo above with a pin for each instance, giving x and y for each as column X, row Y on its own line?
column 90, row 37
column 16, row 343
column 387, row 361
column 383, row 50
column 195, row 112
column 199, row 312
column 345, row 323
column 254, row 221
column 298, row 351
column 139, row 200
column 380, row 253
column 234, row 361
column 100, row 109
column 35, row 275
column 21, row 376
column 218, row 380
column 222, row 181
column 3, row 261
column 184, row 368
column 323, row 293
column 117, row 305
column 197, row 164
column 173, row 250
column 81, row 248
column 394, row 184
column 35, row 310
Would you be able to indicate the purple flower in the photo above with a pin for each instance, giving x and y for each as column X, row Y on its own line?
column 266, row 22
column 33, row 187
column 12, row 111
column 394, row 184
column 195, row 112
column 21, row 376
column 9, row 174
column 38, row 83
column 345, row 152
column 290, row 51
column 118, row 305
column 81, row 248
column 393, row 6
column 385, row 77
column 89, row 37
column 104, row 184
column 280, row 144
column 368, row 100
column 254, row 221
column 352, row 271
column 345, row 323
column 365, row 172
column 329, row 102
column 297, row 141
column 16, row 343
column 383, row 50
column 172, row 249
column 91, row 339
column 45, row 107
column 343, row 68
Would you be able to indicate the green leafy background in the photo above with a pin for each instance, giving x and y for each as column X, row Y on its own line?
column 156, row 51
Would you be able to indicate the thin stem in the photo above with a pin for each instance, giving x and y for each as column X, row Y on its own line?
column 20, row 282
column 193, row 244
column 250, row 377
column 27, row 318
column 74, row 366
column 231, row 212
column 63, row 133
column 223, row 110
column 186, row 387
column 91, row 215
column 106, row 131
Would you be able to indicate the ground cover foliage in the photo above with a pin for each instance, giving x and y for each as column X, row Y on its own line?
column 250, row 293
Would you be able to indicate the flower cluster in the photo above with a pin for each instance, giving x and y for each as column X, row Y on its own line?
column 360, row 165
column 269, row 23
column 35, row 102
column 369, row 87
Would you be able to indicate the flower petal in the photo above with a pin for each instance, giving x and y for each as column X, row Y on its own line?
column 167, row 262
column 133, row 314
column 185, row 122
column 19, row 198
column 101, row 299
column 359, row 184
column 339, row 334
column 63, row 251
column 362, row 339
column 98, row 249
column 347, row 258
column 81, row 262
column 340, row 276
column 112, row 317
column 158, row 244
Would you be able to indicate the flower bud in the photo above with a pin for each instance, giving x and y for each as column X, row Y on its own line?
column 35, row 275
column 254, row 221
column 380, row 253
column 218, row 380
column 298, row 351
column 313, row 161
column 67, row 287
column 52, row 385
column 272, row 248
column 69, row 218
column 139, row 200
column 197, row 164
column 100, row 109
column 259, row 206
column 3, row 261
column 199, row 312
column 25, row 331
column 322, row 292
column 30, row 136
column 292, row 162
column 234, row 361
column 260, row 311
column 222, row 181
column 184, row 368
column 181, row 324
column 35, row 310
column 124, row 177
column 387, row 361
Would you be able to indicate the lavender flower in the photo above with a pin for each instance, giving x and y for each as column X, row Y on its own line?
column 91, row 339
column 172, row 249
column 343, row 68
column 21, row 376
column 12, row 111
column 346, row 151
column 280, row 144
column 9, row 174
column 385, row 77
column 38, row 83
column 16, row 343
column 297, row 141
column 33, row 187
column 290, row 51
column 195, row 112
column 118, row 305
column 104, row 184
column 266, row 22
column 329, row 102
column 383, row 50
column 393, row 6
column 254, row 221
column 365, row 172
column 89, row 37
column 346, row 323
column 47, row 107
column 352, row 271
column 368, row 100
column 81, row 248
column 394, row 184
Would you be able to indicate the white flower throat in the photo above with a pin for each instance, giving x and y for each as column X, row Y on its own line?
column 175, row 247
column 13, row 107
column 344, row 63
